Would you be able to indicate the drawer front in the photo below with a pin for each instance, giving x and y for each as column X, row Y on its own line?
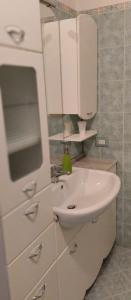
column 25, row 223
column 47, row 288
column 20, row 24
column 25, row 271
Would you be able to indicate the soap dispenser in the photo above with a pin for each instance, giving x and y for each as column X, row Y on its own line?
column 67, row 163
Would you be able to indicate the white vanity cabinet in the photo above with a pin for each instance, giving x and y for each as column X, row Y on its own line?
column 20, row 24
column 81, row 251
column 24, row 163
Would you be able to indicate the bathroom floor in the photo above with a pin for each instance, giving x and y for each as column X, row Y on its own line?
column 114, row 280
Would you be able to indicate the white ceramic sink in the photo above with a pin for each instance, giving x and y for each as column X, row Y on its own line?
column 84, row 195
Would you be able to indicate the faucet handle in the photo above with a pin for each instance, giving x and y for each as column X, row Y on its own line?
column 59, row 173
column 56, row 169
column 53, row 174
column 53, row 170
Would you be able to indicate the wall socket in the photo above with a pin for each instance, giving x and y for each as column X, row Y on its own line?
column 101, row 142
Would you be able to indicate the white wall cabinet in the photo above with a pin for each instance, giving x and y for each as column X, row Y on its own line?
column 24, row 164
column 20, row 24
column 79, row 66
column 71, row 65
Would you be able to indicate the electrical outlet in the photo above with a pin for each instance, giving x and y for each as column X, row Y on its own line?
column 101, row 142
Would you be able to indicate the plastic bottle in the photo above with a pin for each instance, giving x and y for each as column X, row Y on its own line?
column 67, row 163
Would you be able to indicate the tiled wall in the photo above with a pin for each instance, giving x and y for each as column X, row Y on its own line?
column 113, row 119
column 91, row 4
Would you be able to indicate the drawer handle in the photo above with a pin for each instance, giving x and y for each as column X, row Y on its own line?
column 16, row 34
column 89, row 113
column 94, row 220
column 42, row 293
column 30, row 189
column 36, row 252
column 32, row 211
column 73, row 249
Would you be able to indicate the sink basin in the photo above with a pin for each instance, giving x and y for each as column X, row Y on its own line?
column 84, row 195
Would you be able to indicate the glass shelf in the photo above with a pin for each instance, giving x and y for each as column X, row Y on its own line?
column 77, row 137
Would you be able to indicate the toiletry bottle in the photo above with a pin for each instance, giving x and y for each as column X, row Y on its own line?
column 67, row 163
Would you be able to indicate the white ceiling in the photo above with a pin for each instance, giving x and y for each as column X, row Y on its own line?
column 90, row 4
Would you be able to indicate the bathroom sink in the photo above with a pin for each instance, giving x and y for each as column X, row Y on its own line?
column 84, row 195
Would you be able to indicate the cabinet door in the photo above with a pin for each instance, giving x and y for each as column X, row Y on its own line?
column 50, row 33
column 87, row 66
column 80, row 264
column 69, row 40
column 20, row 24
column 107, row 222
column 24, row 158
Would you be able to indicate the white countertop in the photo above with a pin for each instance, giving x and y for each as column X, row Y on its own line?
column 95, row 163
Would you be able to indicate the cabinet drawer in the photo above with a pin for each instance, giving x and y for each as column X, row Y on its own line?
column 25, row 223
column 20, row 24
column 25, row 271
column 47, row 288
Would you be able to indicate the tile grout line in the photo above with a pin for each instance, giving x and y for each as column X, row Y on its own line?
column 99, row 111
column 123, row 152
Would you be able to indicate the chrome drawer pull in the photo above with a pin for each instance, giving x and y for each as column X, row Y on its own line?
column 32, row 211
column 16, row 34
column 42, row 293
column 36, row 252
column 73, row 249
column 94, row 220
column 30, row 189
column 89, row 113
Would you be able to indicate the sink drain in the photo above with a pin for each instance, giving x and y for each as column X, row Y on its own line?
column 72, row 206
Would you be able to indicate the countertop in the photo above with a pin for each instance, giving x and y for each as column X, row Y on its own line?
column 94, row 163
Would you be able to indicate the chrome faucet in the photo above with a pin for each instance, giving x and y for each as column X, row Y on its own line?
column 56, row 172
